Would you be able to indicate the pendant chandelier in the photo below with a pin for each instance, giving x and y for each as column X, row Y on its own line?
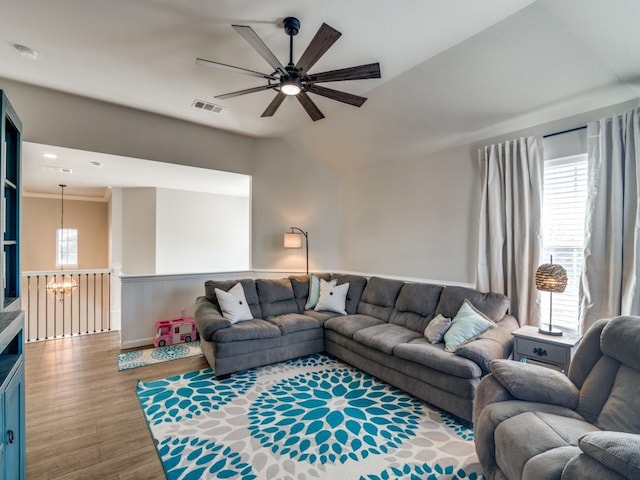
column 61, row 284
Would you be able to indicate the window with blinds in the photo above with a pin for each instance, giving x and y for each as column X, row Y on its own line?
column 563, row 216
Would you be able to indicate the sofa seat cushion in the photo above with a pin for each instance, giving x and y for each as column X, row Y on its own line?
column 549, row 464
column 294, row 322
column 421, row 351
column 321, row 316
column 543, row 432
column 385, row 337
column 248, row 330
column 347, row 325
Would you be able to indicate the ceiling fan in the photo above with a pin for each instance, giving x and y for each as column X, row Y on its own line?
column 294, row 79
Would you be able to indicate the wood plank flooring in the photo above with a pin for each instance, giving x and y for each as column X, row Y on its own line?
column 83, row 417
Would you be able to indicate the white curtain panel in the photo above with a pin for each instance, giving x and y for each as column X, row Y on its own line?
column 510, row 237
column 609, row 284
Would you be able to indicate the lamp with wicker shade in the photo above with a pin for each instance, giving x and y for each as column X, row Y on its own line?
column 553, row 279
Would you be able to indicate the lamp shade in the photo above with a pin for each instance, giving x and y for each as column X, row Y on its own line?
column 551, row 277
column 292, row 240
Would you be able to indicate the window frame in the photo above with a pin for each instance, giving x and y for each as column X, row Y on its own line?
column 63, row 250
column 563, row 245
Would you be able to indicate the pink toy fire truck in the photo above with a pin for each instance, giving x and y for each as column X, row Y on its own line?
column 170, row 332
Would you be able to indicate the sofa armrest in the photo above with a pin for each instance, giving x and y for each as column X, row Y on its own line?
column 534, row 383
column 208, row 318
column 489, row 391
column 617, row 451
column 495, row 344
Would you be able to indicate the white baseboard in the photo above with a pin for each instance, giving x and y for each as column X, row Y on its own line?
column 142, row 342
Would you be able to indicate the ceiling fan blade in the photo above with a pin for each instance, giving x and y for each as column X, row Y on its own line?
column 274, row 105
column 343, row 97
column 361, row 72
column 321, row 42
column 256, row 42
column 244, row 92
column 224, row 66
column 310, row 107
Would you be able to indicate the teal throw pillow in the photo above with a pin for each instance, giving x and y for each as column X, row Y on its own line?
column 314, row 292
column 468, row 324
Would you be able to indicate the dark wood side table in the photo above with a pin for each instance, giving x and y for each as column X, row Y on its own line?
column 546, row 350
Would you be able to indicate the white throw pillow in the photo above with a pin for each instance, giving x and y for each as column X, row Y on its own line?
column 234, row 304
column 333, row 298
column 314, row 292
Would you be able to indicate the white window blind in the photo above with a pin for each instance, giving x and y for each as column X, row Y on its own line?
column 67, row 247
column 563, row 212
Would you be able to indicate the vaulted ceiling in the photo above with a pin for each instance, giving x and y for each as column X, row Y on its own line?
column 452, row 72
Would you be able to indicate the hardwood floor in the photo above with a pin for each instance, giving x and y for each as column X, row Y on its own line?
column 83, row 417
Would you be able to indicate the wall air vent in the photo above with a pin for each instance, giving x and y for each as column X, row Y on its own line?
column 209, row 107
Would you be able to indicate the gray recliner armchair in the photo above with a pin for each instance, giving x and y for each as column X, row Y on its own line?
column 534, row 423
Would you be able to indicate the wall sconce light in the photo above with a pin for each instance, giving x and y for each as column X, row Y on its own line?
column 293, row 239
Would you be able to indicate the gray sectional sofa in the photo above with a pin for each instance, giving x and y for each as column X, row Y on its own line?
column 382, row 333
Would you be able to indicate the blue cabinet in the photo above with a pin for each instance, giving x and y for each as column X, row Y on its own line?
column 12, row 413
column 12, row 384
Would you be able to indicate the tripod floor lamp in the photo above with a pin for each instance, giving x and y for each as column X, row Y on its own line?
column 293, row 239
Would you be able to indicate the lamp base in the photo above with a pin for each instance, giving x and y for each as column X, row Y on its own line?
column 550, row 331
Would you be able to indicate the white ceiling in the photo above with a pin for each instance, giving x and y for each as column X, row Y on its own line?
column 92, row 182
column 452, row 72
column 142, row 53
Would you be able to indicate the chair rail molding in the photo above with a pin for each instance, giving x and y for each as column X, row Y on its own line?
column 145, row 299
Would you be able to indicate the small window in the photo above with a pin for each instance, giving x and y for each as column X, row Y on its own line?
column 67, row 247
column 564, row 211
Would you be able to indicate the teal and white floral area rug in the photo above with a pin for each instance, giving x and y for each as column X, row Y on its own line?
column 148, row 356
column 311, row 418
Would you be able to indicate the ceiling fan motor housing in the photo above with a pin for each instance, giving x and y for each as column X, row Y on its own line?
column 291, row 26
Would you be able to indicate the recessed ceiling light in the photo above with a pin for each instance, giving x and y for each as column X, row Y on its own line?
column 50, row 155
column 97, row 164
column 26, row 52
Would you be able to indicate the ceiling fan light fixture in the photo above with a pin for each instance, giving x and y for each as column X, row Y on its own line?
column 291, row 86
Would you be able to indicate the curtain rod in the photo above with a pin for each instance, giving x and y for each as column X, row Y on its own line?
column 564, row 131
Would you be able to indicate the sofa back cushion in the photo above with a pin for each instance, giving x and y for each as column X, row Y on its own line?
column 250, row 293
column 379, row 297
column 356, row 286
column 493, row 305
column 276, row 297
column 610, row 395
column 300, row 284
column 416, row 305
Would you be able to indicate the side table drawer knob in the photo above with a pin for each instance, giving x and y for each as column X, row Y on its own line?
column 541, row 352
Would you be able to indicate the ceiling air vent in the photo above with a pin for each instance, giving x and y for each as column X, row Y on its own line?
column 209, row 107
column 55, row 169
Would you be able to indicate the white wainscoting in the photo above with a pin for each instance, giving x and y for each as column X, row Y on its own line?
column 145, row 299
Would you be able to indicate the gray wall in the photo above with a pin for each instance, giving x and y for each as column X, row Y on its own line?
column 413, row 218
column 419, row 217
column 289, row 188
